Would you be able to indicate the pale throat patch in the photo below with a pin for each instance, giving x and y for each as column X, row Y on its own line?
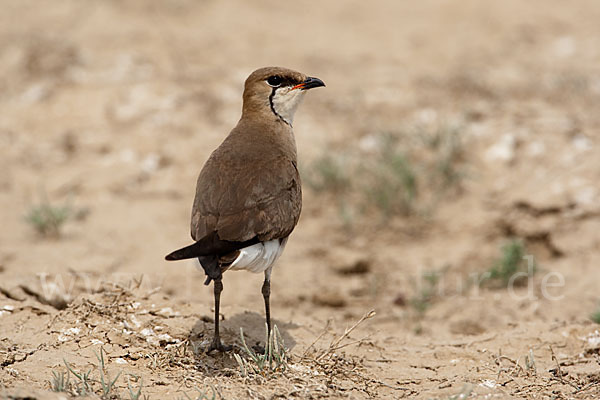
column 285, row 102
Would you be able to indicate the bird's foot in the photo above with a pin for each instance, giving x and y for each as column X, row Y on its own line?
column 218, row 346
column 258, row 348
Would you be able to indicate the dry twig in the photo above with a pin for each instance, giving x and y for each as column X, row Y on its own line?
column 335, row 344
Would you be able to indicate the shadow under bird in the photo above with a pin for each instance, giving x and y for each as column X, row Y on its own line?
column 248, row 195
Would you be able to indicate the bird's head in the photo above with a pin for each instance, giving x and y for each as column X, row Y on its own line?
column 276, row 90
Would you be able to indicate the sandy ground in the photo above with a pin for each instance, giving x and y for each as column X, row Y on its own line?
column 112, row 107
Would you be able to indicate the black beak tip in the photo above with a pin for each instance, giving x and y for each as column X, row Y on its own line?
column 312, row 82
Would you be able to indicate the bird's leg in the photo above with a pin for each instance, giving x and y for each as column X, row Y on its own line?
column 266, row 292
column 216, row 343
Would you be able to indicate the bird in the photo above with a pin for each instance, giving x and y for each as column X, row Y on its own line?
column 248, row 194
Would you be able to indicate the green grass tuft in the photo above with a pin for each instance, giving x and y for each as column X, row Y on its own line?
column 202, row 394
column 396, row 174
column 47, row 219
column 60, row 381
column 427, row 293
column 392, row 183
column 79, row 383
column 595, row 316
column 510, row 262
column 274, row 358
column 328, row 173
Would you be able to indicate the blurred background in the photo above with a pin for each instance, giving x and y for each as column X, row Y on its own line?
column 453, row 138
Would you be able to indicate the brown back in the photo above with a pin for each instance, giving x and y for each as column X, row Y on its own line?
column 250, row 186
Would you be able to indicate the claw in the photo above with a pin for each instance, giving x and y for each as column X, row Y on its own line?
column 258, row 348
column 218, row 346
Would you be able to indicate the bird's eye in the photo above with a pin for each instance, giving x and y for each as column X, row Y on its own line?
column 274, row 81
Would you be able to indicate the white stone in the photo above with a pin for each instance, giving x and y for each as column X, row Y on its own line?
column 503, row 149
column 564, row 46
column 488, row 383
column 582, row 143
column 536, row 148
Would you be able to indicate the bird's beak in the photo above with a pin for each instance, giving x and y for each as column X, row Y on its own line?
column 309, row 83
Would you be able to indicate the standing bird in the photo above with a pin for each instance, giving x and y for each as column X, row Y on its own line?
column 248, row 195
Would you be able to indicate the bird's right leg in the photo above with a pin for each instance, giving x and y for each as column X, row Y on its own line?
column 266, row 292
column 216, row 342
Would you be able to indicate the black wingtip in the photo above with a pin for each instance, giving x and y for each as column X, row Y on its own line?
column 190, row 251
column 209, row 245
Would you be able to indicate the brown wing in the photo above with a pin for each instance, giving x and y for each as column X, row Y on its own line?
column 246, row 194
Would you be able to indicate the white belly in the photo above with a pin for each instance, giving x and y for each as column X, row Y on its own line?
column 259, row 257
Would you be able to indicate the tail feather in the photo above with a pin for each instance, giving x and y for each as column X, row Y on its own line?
column 209, row 246
column 191, row 251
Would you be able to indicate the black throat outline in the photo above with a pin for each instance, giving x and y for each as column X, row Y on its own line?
column 273, row 107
